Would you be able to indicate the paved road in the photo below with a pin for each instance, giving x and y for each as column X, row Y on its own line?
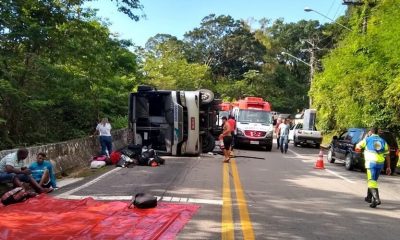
column 260, row 195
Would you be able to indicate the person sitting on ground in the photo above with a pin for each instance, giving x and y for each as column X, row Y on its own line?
column 42, row 171
column 13, row 170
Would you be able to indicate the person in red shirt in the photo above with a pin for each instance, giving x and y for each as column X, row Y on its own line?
column 232, row 123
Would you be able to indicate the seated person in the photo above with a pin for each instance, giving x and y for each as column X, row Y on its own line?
column 13, row 170
column 42, row 171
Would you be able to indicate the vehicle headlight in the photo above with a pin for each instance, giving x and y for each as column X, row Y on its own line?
column 239, row 132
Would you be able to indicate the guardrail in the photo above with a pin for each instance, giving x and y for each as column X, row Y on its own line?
column 69, row 155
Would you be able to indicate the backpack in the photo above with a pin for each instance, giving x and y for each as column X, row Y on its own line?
column 375, row 144
column 16, row 195
column 143, row 200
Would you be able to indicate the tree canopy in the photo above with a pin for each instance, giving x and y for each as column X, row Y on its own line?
column 360, row 84
column 61, row 68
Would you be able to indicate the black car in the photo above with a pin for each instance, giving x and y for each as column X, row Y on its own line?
column 343, row 148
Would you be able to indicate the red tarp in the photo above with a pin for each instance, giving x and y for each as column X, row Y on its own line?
column 46, row 217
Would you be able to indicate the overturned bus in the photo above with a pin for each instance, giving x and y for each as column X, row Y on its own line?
column 173, row 122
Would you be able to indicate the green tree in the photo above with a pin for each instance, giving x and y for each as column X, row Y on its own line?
column 359, row 86
column 166, row 67
column 60, row 69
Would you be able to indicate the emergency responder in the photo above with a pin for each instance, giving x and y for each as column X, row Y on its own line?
column 375, row 151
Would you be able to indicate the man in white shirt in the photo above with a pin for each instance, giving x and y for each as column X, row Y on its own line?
column 284, row 136
column 13, row 170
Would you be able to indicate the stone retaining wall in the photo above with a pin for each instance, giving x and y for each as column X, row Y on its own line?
column 70, row 155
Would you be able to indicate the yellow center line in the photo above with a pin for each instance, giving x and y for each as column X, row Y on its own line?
column 227, row 219
column 247, row 226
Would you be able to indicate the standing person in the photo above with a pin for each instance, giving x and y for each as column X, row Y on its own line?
column 278, row 122
column 232, row 123
column 226, row 136
column 42, row 171
column 376, row 150
column 284, row 136
column 104, row 130
column 13, row 170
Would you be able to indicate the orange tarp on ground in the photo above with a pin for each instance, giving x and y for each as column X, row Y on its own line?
column 46, row 217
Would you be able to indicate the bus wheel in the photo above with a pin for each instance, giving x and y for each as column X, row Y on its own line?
column 208, row 143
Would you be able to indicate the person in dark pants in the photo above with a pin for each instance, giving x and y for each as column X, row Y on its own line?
column 13, row 170
column 226, row 137
column 104, row 130
column 284, row 136
column 232, row 123
column 42, row 171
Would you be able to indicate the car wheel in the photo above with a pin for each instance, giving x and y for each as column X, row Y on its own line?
column 295, row 143
column 268, row 147
column 208, row 143
column 329, row 156
column 348, row 162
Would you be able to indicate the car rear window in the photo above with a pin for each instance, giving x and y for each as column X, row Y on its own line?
column 389, row 138
column 355, row 136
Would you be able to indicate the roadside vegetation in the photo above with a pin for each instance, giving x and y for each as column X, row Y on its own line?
column 61, row 69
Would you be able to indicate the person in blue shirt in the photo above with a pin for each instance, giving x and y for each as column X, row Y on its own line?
column 42, row 171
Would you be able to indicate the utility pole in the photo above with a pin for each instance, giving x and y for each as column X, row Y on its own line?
column 313, row 59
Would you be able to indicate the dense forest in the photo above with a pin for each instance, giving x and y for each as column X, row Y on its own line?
column 61, row 69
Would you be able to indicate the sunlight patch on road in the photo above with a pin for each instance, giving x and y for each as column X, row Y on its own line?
column 306, row 158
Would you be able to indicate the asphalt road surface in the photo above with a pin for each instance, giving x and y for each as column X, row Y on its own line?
column 259, row 195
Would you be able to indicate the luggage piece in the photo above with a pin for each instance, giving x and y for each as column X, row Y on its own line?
column 16, row 195
column 159, row 160
column 143, row 201
column 99, row 158
column 121, row 162
column 136, row 148
column 97, row 164
column 114, row 157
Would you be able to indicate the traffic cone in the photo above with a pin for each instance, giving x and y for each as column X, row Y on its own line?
column 320, row 161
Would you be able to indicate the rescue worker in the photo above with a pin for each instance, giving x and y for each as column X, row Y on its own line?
column 376, row 150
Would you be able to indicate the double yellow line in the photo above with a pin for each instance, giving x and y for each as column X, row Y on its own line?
column 228, row 228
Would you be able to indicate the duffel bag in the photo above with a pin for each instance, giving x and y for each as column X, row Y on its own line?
column 136, row 148
column 16, row 195
column 97, row 164
column 115, row 156
column 143, row 201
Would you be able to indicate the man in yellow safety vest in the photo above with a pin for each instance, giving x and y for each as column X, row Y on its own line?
column 376, row 150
